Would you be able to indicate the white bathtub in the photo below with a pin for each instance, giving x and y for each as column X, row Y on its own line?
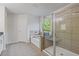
column 59, row 51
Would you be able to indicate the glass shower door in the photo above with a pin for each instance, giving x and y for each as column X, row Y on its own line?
column 75, row 33
column 63, row 33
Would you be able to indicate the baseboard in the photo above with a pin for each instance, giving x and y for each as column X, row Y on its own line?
column 16, row 42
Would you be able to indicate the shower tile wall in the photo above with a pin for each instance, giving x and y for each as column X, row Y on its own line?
column 63, row 29
column 67, row 28
column 75, row 29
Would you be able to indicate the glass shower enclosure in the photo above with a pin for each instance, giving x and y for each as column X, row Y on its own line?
column 66, row 31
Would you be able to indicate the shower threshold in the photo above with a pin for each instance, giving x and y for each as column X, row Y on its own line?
column 59, row 51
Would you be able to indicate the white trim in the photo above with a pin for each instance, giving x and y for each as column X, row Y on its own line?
column 17, row 42
column 47, row 53
column 54, row 44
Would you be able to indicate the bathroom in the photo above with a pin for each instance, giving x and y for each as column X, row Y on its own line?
column 53, row 32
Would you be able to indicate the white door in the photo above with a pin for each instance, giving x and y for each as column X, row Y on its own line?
column 22, row 28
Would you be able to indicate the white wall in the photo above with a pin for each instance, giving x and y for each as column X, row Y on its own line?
column 11, row 29
column 2, row 18
column 5, row 29
column 3, row 25
column 19, row 27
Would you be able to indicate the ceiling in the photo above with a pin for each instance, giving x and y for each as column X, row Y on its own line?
column 38, row 9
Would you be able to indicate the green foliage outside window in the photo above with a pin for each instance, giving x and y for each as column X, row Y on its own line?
column 47, row 24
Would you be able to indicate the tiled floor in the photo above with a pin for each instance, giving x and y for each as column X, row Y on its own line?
column 22, row 49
